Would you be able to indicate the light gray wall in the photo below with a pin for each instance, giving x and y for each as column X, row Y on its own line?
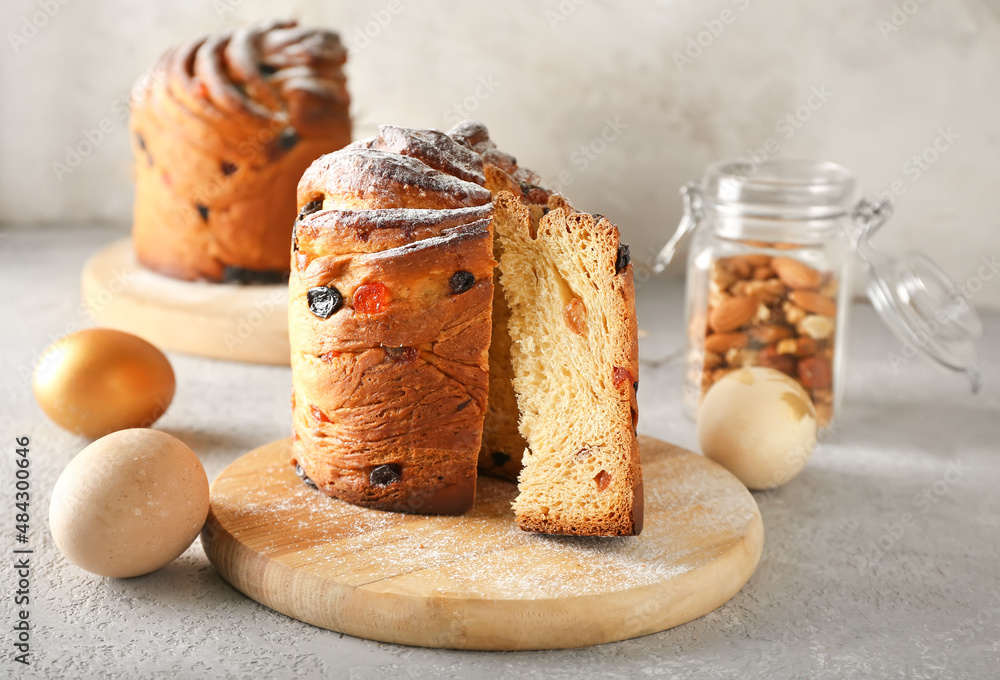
column 557, row 73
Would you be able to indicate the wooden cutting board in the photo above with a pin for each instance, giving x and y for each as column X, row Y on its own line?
column 216, row 320
column 477, row 581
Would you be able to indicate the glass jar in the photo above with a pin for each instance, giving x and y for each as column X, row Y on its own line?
column 768, row 276
column 768, row 279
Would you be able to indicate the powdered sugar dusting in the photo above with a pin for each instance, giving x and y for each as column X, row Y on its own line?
column 695, row 512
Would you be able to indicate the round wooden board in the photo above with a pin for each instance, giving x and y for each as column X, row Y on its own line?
column 217, row 320
column 477, row 581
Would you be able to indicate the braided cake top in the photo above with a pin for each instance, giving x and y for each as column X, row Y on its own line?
column 273, row 74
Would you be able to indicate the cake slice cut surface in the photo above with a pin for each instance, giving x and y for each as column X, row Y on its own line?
column 567, row 279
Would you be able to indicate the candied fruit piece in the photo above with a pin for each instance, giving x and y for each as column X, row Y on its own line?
column 499, row 458
column 575, row 315
column 371, row 298
column 603, row 479
column 621, row 376
column 318, row 414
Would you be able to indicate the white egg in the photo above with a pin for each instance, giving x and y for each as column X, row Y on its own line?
column 759, row 424
column 129, row 503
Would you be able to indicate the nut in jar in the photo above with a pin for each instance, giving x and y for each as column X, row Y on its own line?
column 772, row 311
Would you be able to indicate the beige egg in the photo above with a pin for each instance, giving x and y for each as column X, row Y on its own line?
column 759, row 424
column 129, row 503
column 100, row 380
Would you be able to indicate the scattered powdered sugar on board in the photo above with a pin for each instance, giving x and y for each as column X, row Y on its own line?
column 694, row 510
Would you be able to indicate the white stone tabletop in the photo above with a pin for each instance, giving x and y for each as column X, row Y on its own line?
column 881, row 560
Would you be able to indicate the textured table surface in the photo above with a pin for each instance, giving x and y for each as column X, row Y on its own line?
column 881, row 560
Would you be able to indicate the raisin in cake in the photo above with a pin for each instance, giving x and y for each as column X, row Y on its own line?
column 390, row 321
column 568, row 281
column 222, row 129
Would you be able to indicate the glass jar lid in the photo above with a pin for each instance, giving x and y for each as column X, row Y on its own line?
column 922, row 306
column 796, row 190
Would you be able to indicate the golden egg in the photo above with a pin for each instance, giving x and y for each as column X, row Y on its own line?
column 100, row 380
column 129, row 503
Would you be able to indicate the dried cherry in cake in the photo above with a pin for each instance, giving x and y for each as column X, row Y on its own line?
column 384, row 475
column 324, row 301
column 371, row 298
column 621, row 376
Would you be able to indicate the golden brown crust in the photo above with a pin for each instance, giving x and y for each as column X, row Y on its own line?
column 389, row 403
column 221, row 134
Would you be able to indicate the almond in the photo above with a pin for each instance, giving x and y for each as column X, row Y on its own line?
column 757, row 259
column 812, row 301
column 815, row 374
column 732, row 313
column 795, row 274
column 722, row 342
